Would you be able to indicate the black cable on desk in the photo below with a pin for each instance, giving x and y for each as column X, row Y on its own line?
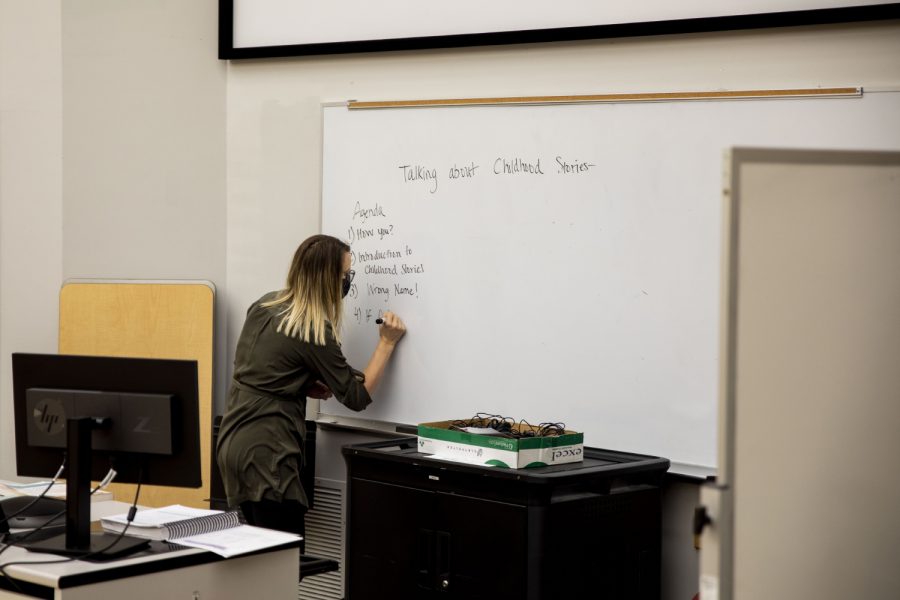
column 59, row 471
column 106, row 480
column 132, row 511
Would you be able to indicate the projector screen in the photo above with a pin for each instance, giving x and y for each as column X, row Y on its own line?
column 289, row 27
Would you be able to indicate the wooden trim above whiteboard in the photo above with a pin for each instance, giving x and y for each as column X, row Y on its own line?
column 835, row 92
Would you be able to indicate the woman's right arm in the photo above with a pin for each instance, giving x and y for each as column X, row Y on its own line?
column 390, row 333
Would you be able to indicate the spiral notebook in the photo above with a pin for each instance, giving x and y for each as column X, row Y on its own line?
column 212, row 530
column 172, row 522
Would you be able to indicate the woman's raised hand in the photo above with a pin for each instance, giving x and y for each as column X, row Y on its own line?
column 392, row 328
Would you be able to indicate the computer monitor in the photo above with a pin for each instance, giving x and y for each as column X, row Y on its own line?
column 139, row 416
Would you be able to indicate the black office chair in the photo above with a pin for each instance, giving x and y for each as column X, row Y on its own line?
column 309, row 564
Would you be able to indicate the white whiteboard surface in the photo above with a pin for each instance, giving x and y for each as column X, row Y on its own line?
column 260, row 23
column 590, row 297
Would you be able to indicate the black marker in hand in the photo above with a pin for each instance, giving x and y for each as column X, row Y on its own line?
column 392, row 331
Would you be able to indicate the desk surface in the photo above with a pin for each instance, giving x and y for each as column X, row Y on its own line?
column 161, row 556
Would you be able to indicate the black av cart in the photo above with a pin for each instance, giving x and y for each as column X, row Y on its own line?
column 420, row 527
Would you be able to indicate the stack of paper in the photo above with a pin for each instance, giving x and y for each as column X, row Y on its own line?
column 213, row 530
column 57, row 490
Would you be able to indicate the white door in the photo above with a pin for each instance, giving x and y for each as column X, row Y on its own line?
column 807, row 502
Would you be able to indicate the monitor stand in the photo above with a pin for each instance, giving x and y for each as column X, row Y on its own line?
column 99, row 546
column 78, row 541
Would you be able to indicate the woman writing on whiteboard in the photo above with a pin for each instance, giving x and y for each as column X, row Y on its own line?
column 289, row 349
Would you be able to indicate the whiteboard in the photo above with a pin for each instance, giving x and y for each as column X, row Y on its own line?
column 556, row 262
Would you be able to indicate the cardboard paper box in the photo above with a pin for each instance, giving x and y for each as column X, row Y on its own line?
column 514, row 453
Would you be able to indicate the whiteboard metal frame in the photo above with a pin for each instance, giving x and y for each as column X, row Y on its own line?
column 588, row 31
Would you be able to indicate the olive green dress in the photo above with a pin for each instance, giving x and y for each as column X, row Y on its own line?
column 260, row 444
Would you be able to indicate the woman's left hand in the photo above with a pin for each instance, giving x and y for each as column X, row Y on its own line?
column 319, row 391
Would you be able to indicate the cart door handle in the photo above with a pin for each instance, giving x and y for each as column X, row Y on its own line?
column 425, row 554
column 443, row 560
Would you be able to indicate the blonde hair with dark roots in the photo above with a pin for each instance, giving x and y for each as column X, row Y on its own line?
column 312, row 295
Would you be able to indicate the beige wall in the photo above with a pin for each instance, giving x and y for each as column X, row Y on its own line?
column 30, row 191
column 144, row 143
column 112, row 158
column 143, row 140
